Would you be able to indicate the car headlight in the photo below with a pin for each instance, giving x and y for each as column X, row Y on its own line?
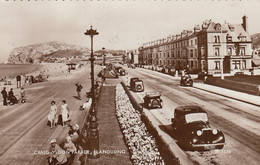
column 194, row 140
column 199, row 132
column 214, row 131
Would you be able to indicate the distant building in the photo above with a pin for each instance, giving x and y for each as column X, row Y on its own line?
column 211, row 47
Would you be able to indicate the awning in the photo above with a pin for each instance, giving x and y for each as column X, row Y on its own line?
column 255, row 62
column 107, row 73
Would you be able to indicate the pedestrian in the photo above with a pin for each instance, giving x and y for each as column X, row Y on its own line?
column 22, row 92
column 52, row 117
column 58, row 155
column 18, row 79
column 74, row 134
column 4, row 94
column 13, row 100
column 86, row 105
column 64, row 112
column 69, row 147
column 78, row 89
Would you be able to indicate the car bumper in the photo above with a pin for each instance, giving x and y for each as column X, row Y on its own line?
column 207, row 146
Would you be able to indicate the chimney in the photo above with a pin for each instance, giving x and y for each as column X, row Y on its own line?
column 173, row 37
column 183, row 34
column 189, row 32
column 244, row 24
column 178, row 36
column 196, row 29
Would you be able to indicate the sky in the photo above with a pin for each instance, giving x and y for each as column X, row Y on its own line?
column 122, row 24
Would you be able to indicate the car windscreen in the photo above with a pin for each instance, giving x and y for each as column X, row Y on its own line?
column 196, row 117
column 139, row 82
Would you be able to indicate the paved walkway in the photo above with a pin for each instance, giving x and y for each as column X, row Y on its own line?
column 240, row 96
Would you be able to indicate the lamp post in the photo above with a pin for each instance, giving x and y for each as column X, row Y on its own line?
column 104, row 56
column 93, row 138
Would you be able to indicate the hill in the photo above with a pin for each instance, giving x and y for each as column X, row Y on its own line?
column 255, row 40
column 109, row 51
column 38, row 52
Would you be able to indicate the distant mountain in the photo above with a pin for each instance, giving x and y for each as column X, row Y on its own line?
column 38, row 52
column 109, row 51
column 255, row 40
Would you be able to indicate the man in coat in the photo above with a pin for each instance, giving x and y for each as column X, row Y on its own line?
column 4, row 93
column 79, row 87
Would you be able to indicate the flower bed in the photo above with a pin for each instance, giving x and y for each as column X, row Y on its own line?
column 140, row 142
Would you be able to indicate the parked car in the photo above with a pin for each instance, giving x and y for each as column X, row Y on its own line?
column 202, row 75
column 153, row 100
column 186, row 80
column 192, row 129
column 120, row 71
column 136, row 85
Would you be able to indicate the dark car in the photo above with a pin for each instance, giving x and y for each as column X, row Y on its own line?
column 120, row 71
column 136, row 85
column 152, row 100
column 192, row 130
column 202, row 75
column 186, row 80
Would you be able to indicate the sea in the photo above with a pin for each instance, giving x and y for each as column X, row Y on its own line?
column 13, row 70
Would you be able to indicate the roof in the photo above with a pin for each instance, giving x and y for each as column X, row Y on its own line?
column 255, row 62
column 190, row 109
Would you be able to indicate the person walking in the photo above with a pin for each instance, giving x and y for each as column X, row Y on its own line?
column 13, row 100
column 78, row 89
column 58, row 155
column 52, row 117
column 4, row 94
column 64, row 112
column 22, row 92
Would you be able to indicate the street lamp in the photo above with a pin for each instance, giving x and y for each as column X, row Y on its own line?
column 93, row 138
column 104, row 56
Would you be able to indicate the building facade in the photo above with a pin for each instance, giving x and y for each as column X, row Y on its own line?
column 213, row 47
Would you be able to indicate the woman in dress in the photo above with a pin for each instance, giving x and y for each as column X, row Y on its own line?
column 64, row 112
column 53, row 114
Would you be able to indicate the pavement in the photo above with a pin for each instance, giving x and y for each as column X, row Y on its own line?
column 112, row 147
column 240, row 96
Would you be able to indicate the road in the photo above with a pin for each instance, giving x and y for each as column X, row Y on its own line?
column 24, row 134
column 239, row 121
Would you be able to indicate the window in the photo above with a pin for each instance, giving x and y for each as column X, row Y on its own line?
column 217, row 39
column 191, row 42
column 196, row 41
column 244, row 64
column 191, row 64
column 179, row 54
column 216, row 51
column 195, row 53
column 217, row 65
column 229, row 51
column 168, row 54
column 242, row 51
column 202, row 51
column 191, row 53
column 236, row 64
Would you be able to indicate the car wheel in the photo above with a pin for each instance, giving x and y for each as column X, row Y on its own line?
column 220, row 147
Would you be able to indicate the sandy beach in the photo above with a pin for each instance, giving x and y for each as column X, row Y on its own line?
column 54, row 71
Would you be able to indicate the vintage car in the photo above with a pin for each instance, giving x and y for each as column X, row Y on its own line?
column 136, row 85
column 186, row 80
column 192, row 130
column 120, row 71
column 153, row 100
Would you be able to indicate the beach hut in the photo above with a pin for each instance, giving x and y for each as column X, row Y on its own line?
column 71, row 66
